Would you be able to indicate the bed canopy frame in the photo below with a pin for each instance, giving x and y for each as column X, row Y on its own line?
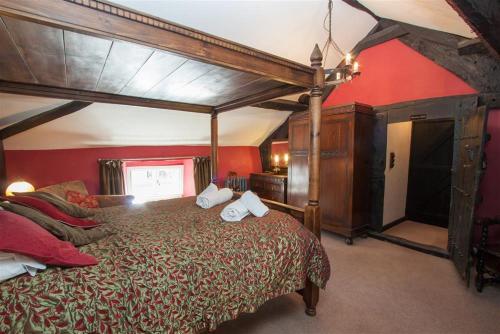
column 96, row 51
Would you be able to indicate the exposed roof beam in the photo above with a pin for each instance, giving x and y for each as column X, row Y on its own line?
column 380, row 37
column 73, row 94
column 471, row 46
column 107, row 20
column 356, row 4
column 281, row 104
column 483, row 16
column 42, row 118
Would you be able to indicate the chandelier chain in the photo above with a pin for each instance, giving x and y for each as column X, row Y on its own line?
column 330, row 41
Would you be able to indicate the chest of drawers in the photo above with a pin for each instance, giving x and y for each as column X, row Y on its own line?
column 269, row 186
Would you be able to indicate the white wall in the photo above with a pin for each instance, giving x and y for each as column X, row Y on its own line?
column 396, row 179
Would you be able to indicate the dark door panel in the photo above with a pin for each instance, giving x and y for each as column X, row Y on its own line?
column 429, row 178
column 466, row 176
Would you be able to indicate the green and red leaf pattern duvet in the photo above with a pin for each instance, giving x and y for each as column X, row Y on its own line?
column 171, row 267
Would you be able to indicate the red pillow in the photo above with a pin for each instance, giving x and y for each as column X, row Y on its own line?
column 20, row 235
column 52, row 211
column 82, row 200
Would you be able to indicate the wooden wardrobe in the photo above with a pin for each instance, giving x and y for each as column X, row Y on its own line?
column 346, row 162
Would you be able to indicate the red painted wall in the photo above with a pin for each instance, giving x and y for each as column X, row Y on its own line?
column 392, row 72
column 46, row 167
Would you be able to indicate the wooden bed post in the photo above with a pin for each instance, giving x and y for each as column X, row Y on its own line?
column 214, row 145
column 312, row 219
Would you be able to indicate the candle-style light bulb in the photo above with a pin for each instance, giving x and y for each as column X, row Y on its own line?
column 355, row 67
column 277, row 159
column 348, row 59
column 286, row 157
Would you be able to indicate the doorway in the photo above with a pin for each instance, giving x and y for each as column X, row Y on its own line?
column 418, row 182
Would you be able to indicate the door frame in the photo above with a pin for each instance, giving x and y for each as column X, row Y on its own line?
column 451, row 108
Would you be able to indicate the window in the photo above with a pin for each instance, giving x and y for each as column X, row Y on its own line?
column 152, row 183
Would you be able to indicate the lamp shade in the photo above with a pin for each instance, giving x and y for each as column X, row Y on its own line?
column 19, row 187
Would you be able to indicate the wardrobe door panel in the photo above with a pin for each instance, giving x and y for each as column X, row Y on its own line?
column 298, row 172
column 335, row 170
column 334, row 201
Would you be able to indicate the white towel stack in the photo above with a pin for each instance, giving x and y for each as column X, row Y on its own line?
column 248, row 203
column 211, row 196
column 234, row 212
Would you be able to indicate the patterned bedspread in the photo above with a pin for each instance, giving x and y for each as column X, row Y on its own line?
column 171, row 267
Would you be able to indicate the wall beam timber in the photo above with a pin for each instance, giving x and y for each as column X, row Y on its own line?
column 483, row 16
column 42, row 118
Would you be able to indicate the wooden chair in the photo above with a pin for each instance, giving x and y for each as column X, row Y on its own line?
column 488, row 256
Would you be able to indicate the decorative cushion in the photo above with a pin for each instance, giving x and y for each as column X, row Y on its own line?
column 76, row 235
column 22, row 236
column 61, row 188
column 51, row 211
column 60, row 203
column 82, row 200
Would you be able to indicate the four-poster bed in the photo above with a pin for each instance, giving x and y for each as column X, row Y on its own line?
column 96, row 51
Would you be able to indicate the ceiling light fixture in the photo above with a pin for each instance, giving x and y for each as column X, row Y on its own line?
column 349, row 67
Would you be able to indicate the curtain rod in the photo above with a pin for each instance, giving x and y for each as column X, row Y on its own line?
column 153, row 159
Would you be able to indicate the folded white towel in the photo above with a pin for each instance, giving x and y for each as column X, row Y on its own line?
column 253, row 203
column 209, row 189
column 234, row 212
column 12, row 264
column 214, row 198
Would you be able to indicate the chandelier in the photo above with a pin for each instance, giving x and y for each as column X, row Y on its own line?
column 349, row 68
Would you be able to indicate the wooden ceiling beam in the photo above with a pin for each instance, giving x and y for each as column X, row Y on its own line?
column 471, row 46
column 356, row 4
column 379, row 37
column 107, row 20
column 281, row 104
column 483, row 16
column 259, row 97
column 42, row 118
column 74, row 94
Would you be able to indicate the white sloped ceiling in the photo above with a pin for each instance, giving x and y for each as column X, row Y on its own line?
column 116, row 125
column 432, row 14
column 285, row 28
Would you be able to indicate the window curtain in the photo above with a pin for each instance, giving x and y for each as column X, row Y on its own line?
column 201, row 173
column 111, row 178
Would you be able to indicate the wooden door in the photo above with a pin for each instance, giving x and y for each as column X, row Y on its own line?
column 465, row 182
column 429, row 178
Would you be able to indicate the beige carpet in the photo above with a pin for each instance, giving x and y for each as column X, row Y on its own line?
column 379, row 287
column 422, row 233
